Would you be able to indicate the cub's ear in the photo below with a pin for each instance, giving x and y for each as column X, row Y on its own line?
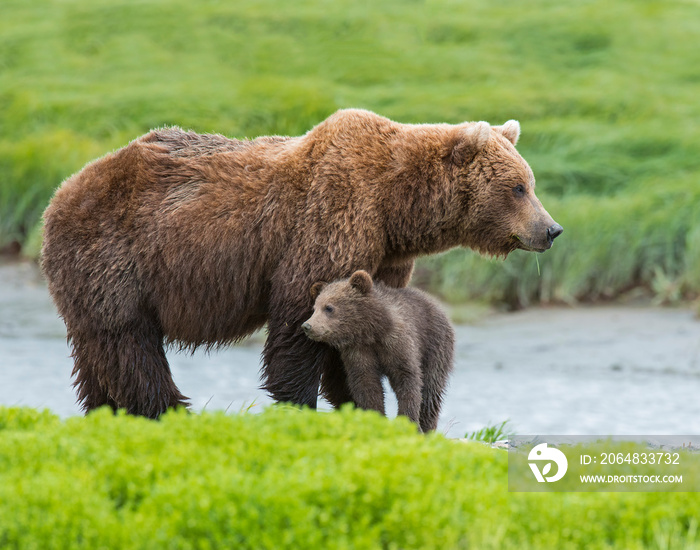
column 510, row 130
column 316, row 289
column 470, row 140
column 361, row 281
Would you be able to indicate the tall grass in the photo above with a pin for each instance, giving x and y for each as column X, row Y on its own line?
column 491, row 433
column 606, row 93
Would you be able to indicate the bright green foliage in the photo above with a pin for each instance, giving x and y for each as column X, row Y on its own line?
column 290, row 478
column 606, row 93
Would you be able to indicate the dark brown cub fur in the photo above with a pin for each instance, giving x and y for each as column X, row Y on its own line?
column 381, row 331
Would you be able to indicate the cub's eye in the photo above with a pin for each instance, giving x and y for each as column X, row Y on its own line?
column 328, row 309
column 519, row 190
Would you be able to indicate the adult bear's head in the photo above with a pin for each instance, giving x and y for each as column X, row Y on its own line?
column 494, row 191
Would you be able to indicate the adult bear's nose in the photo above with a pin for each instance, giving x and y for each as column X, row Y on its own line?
column 306, row 327
column 554, row 231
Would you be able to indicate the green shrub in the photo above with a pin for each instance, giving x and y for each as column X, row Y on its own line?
column 290, row 478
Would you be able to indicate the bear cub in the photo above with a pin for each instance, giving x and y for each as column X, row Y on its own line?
column 400, row 333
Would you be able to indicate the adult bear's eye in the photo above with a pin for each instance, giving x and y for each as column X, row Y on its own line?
column 328, row 309
column 519, row 190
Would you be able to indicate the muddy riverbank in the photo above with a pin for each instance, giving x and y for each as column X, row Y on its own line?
column 597, row 370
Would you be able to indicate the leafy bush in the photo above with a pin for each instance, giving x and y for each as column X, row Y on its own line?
column 290, row 478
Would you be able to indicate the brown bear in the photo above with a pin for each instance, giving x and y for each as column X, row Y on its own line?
column 380, row 331
column 199, row 240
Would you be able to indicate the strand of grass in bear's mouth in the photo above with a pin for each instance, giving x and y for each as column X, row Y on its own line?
column 537, row 258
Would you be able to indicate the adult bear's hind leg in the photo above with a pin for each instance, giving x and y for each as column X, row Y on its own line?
column 94, row 357
column 124, row 369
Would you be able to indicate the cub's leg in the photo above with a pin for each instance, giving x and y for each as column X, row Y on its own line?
column 436, row 368
column 405, row 379
column 364, row 380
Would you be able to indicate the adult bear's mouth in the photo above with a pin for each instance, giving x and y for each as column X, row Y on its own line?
column 529, row 246
column 550, row 234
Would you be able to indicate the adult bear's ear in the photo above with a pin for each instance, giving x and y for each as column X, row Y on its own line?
column 469, row 141
column 316, row 289
column 511, row 131
column 361, row 281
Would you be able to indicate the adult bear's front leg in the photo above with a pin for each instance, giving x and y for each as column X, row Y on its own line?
column 293, row 370
column 396, row 275
column 292, row 363
column 334, row 381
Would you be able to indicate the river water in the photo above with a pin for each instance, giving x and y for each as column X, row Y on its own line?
column 599, row 370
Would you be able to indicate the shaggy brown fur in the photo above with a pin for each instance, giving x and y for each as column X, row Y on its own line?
column 380, row 331
column 199, row 240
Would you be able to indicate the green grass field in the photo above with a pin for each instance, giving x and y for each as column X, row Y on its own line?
column 289, row 478
column 606, row 93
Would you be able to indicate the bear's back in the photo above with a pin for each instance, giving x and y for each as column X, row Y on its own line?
column 417, row 314
column 187, row 144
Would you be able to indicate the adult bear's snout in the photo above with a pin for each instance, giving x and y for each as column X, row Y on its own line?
column 553, row 232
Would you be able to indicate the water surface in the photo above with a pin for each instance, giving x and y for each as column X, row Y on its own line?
column 600, row 370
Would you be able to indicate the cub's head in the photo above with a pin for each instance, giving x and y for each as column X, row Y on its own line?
column 494, row 191
column 344, row 312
